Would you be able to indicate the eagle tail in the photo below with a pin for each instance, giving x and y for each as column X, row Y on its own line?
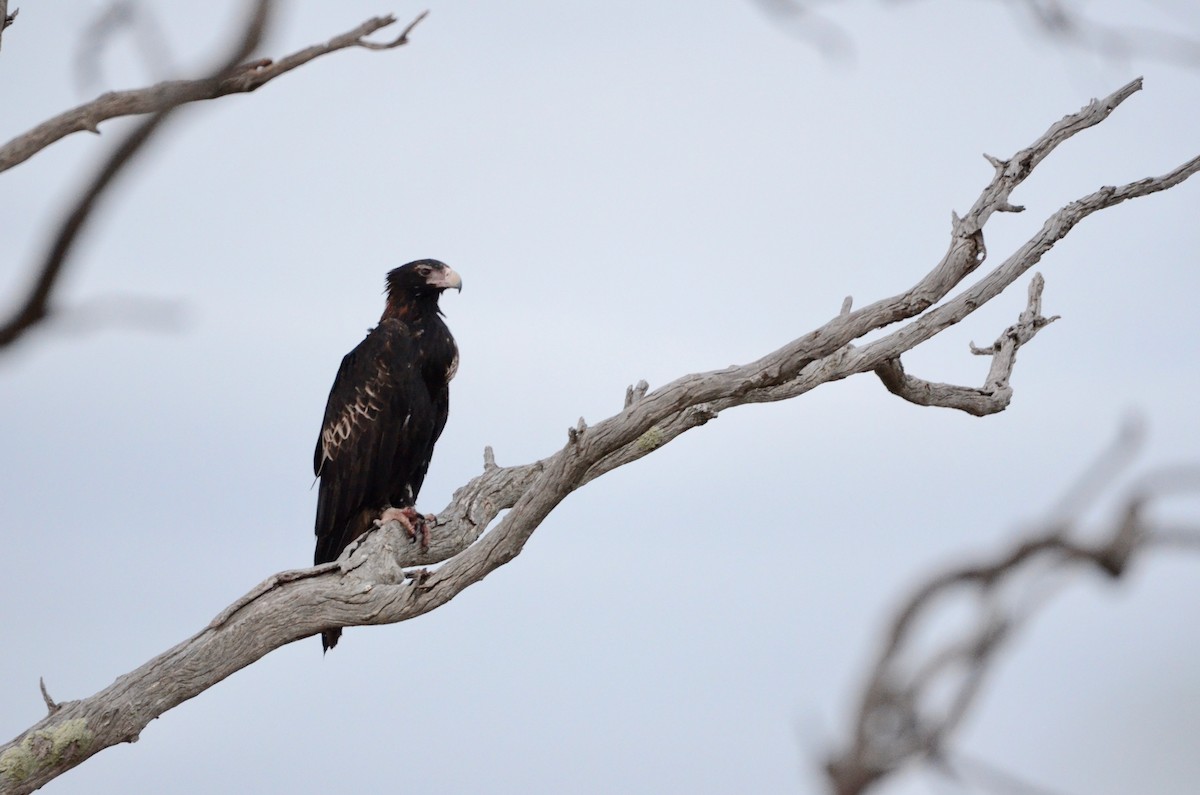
column 329, row 638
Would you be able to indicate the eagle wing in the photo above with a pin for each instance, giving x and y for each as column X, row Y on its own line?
column 379, row 415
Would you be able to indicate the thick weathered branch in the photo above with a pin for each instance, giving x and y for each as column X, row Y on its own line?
column 232, row 76
column 368, row 584
column 898, row 719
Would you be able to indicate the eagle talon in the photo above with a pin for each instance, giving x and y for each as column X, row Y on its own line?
column 415, row 525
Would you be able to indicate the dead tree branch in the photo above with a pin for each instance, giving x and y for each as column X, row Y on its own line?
column 904, row 715
column 369, row 585
column 117, row 17
column 35, row 307
column 1055, row 19
column 6, row 18
column 239, row 79
column 995, row 394
column 231, row 77
column 1072, row 26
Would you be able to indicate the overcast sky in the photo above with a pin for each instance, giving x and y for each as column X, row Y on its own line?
column 629, row 190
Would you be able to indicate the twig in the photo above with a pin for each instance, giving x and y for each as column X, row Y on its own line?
column 399, row 41
column 1073, row 27
column 1001, row 781
column 897, row 719
column 114, row 104
column 1100, row 474
column 36, row 306
column 995, row 394
column 6, row 18
column 51, row 705
column 118, row 15
column 123, row 310
column 1051, row 17
column 233, row 76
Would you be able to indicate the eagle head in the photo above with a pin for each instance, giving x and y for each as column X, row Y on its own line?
column 422, row 278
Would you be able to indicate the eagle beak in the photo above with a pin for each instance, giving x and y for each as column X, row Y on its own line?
column 446, row 279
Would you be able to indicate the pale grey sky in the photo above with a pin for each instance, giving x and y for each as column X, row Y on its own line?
column 629, row 190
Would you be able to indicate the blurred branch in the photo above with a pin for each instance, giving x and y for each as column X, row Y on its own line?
column 988, row 777
column 369, row 585
column 123, row 311
column 899, row 719
column 35, row 307
column 1057, row 21
column 118, row 16
column 238, row 79
column 800, row 20
column 232, row 76
column 1050, row 17
column 6, row 18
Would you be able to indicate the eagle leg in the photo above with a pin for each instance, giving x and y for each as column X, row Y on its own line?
column 414, row 524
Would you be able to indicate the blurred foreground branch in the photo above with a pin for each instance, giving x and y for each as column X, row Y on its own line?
column 369, row 583
column 916, row 697
column 6, row 18
column 1072, row 26
column 1062, row 22
column 232, row 76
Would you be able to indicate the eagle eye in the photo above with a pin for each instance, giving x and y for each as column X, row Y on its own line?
column 424, row 270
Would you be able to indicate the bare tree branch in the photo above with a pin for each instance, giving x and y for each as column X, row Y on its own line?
column 899, row 719
column 233, row 76
column 988, row 777
column 1074, row 27
column 1050, row 17
column 35, row 307
column 51, row 704
column 121, row 16
column 123, row 310
column 249, row 77
column 995, row 394
column 801, row 21
column 369, row 584
column 6, row 18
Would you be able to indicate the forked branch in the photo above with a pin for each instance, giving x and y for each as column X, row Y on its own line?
column 916, row 696
column 996, row 393
column 234, row 75
column 6, row 18
column 242, row 77
column 369, row 585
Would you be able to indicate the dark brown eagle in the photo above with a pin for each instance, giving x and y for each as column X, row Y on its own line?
column 386, row 410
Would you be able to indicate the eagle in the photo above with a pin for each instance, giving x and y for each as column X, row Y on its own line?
column 386, row 409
